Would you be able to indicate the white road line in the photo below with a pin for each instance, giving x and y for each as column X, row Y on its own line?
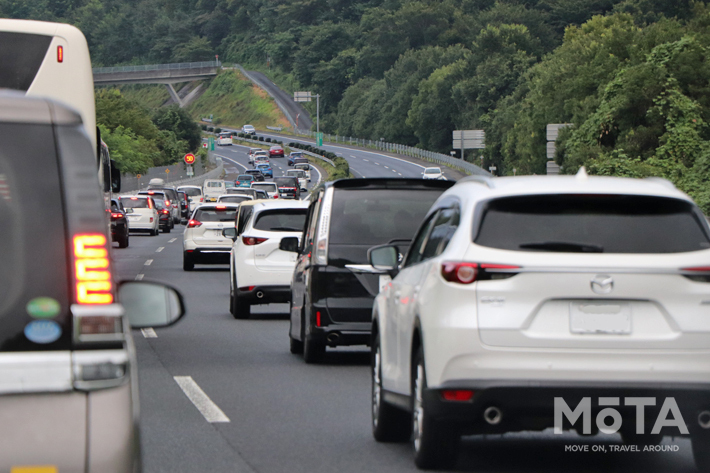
column 170, row 241
column 149, row 333
column 148, row 262
column 230, row 159
column 377, row 164
column 353, row 156
column 386, row 167
column 367, row 160
column 202, row 402
column 399, row 173
column 139, row 276
column 394, row 170
column 160, row 249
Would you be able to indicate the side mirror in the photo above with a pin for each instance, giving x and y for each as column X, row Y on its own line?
column 230, row 233
column 149, row 304
column 384, row 258
column 289, row 244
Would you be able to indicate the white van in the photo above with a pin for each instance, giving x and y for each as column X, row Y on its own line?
column 141, row 214
column 213, row 188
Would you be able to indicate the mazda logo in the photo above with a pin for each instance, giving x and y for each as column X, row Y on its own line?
column 602, row 284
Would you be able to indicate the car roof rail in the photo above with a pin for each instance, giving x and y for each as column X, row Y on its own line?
column 486, row 181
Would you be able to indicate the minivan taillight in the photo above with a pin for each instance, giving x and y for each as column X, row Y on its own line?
column 463, row 272
column 91, row 270
column 193, row 223
column 251, row 241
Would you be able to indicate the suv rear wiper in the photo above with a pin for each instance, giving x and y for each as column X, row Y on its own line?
column 285, row 229
column 563, row 246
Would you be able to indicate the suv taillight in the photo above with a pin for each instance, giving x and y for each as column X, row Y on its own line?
column 465, row 273
column 91, row 270
column 251, row 241
column 193, row 223
column 116, row 215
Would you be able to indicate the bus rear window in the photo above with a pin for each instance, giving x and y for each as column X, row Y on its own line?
column 21, row 56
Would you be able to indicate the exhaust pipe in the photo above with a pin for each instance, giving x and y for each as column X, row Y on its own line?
column 333, row 337
column 259, row 294
column 704, row 419
column 492, row 415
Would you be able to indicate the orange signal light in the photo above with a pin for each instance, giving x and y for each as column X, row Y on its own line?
column 93, row 280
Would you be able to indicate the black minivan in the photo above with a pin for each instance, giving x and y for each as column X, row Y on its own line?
column 334, row 286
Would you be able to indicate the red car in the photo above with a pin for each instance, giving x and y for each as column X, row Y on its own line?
column 276, row 152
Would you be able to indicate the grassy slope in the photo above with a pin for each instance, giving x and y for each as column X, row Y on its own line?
column 234, row 101
column 149, row 95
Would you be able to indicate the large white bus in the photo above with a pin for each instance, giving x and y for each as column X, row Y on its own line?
column 52, row 60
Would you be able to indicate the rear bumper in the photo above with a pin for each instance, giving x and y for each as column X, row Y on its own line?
column 527, row 405
column 265, row 294
column 209, row 255
column 347, row 334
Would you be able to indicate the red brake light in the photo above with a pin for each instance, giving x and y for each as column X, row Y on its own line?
column 150, row 203
column 698, row 269
column 115, row 215
column 134, row 198
column 167, row 203
column 251, row 241
column 151, row 193
column 466, row 273
column 91, row 270
column 60, row 53
column 166, row 212
column 221, row 207
column 459, row 395
column 193, row 223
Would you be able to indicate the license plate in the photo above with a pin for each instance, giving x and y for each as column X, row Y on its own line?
column 385, row 279
column 592, row 317
column 133, row 217
column 217, row 233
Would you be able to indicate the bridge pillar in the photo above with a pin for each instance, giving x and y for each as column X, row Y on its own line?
column 174, row 95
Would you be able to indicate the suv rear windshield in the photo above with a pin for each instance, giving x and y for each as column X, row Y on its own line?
column 377, row 216
column 234, row 199
column 592, row 223
column 216, row 215
column 136, row 203
column 264, row 185
column 34, row 281
column 281, row 220
column 286, row 181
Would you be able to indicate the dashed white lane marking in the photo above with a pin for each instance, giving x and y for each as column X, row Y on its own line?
column 394, row 170
column 160, row 249
column 211, row 412
column 386, row 167
column 377, row 164
column 149, row 333
column 170, row 241
column 367, row 160
column 399, row 173
column 139, row 276
column 148, row 262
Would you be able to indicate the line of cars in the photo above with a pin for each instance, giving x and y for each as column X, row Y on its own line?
column 496, row 305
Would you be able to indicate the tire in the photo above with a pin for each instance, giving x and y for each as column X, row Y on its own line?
column 435, row 444
column 313, row 352
column 123, row 242
column 389, row 424
column 166, row 230
column 188, row 264
column 630, row 437
column 296, row 346
column 153, row 232
column 701, row 451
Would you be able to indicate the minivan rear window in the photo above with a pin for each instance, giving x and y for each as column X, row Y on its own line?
column 592, row 224
column 191, row 191
column 281, row 220
column 136, row 203
column 378, row 216
column 34, row 282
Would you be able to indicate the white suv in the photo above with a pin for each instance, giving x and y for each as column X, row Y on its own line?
column 534, row 302
column 141, row 214
column 260, row 272
column 204, row 241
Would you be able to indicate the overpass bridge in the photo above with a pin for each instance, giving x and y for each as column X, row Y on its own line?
column 167, row 74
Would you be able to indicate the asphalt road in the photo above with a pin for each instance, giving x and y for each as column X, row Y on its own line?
column 275, row 413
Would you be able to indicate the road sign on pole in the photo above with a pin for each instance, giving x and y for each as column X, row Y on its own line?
column 190, row 171
column 302, row 96
column 189, row 158
column 469, row 139
column 211, row 143
column 307, row 97
column 319, row 139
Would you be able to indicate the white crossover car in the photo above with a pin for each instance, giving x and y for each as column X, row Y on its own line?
column 194, row 195
column 535, row 302
column 204, row 240
column 141, row 214
column 261, row 272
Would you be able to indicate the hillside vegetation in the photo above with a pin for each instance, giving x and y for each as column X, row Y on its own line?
column 632, row 76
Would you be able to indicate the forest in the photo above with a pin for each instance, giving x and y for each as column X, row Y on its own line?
column 631, row 76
